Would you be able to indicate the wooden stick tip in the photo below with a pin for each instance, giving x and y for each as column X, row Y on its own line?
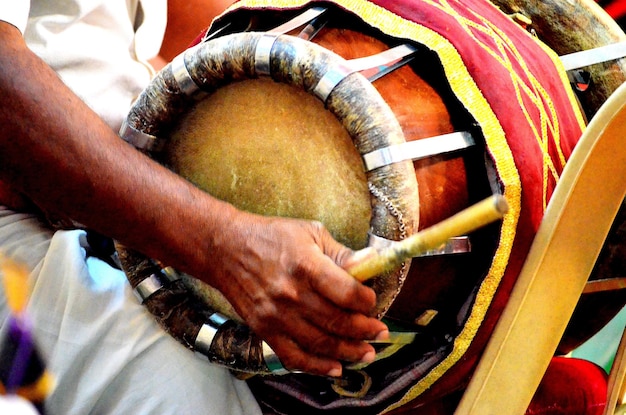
column 500, row 203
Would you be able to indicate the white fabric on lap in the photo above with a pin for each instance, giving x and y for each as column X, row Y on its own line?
column 107, row 352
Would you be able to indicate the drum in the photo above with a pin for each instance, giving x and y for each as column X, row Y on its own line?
column 404, row 113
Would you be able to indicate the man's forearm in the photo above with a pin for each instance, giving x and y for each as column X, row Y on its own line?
column 67, row 160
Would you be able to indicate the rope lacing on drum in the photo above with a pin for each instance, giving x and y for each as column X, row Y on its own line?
column 397, row 214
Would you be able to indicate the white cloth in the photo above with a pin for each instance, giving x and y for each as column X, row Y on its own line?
column 14, row 405
column 106, row 351
column 99, row 48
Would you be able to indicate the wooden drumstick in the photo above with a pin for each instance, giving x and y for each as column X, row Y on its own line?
column 466, row 221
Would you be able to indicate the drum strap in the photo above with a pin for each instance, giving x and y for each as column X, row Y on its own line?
column 593, row 56
column 298, row 21
column 418, row 149
column 373, row 67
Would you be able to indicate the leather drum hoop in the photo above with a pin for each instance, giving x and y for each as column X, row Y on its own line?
column 448, row 300
column 207, row 323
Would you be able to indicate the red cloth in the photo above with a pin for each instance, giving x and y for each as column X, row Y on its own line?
column 616, row 9
column 570, row 387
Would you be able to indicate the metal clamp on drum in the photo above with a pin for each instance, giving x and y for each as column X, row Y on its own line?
column 154, row 283
column 262, row 54
column 272, row 361
column 416, row 150
column 181, row 75
column 207, row 333
column 139, row 139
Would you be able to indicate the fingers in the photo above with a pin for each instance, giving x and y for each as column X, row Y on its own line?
column 286, row 283
column 333, row 284
column 302, row 345
column 337, row 285
column 293, row 358
column 358, row 257
column 316, row 326
column 328, row 323
column 307, row 348
column 340, row 321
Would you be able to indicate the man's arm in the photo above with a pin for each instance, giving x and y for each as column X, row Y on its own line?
column 279, row 274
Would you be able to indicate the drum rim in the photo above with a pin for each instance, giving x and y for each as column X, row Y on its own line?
column 354, row 102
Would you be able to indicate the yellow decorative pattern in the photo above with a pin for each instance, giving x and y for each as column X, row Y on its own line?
column 504, row 51
column 531, row 96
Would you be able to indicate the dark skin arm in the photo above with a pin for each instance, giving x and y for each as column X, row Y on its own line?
column 281, row 275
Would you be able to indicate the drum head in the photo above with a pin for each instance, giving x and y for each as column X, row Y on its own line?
column 273, row 149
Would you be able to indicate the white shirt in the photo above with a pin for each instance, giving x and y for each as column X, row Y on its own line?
column 99, row 48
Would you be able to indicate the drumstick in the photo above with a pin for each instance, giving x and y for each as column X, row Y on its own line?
column 466, row 221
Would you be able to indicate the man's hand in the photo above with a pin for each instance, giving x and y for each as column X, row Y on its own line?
column 282, row 277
